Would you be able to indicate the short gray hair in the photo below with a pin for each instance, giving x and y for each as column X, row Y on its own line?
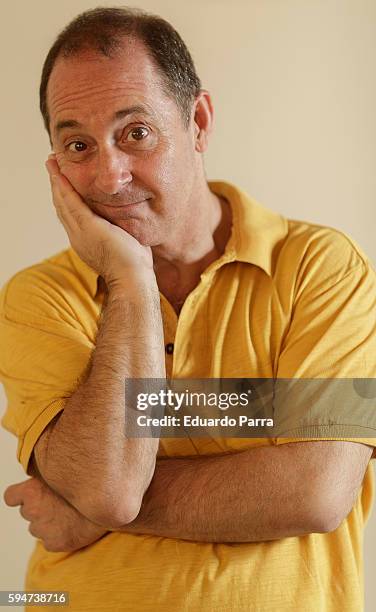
column 104, row 29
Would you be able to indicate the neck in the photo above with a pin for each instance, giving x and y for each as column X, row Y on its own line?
column 178, row 265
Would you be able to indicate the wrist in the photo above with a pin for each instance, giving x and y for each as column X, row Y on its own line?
column 134, row 284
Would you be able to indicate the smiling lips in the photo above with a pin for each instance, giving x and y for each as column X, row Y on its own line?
column 123, row 205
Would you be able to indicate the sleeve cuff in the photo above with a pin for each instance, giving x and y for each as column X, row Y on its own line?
column 27, row 442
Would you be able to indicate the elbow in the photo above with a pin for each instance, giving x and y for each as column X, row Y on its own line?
column 326, row 523
column 122, row 498
column 326, row 516
column 124, row 510
column 111, row 513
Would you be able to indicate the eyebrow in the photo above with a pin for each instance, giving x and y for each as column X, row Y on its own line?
column 120, row 114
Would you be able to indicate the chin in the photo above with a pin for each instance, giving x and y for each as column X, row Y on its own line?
column 144, row 235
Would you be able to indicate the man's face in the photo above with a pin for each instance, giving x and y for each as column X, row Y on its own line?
column 121, row 142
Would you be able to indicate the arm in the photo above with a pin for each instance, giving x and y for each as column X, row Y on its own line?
column 264, row 493
column 84, row 455
column 51, row 518
column 270, row 510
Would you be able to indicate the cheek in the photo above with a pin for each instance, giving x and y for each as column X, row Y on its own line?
column 172, row 170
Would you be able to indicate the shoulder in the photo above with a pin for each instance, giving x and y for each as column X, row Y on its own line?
column 313, row 252
column 47, row 288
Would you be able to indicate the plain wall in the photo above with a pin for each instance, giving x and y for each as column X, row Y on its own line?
column 293, row 84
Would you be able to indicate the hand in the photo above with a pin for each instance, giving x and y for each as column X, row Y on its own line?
column 105, row 247
column 52, row 519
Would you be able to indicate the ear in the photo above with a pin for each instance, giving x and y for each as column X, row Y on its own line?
column 203, row 116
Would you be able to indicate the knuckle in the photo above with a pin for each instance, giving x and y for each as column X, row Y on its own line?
column 80, row 219
column 58, row 211
column 33, row 531
column 102, row 251
column 23, row 512
column 7, row 496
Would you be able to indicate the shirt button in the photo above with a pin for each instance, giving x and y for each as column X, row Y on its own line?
column 169, row 348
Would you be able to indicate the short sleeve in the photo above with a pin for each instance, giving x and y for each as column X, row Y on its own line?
column 44, row 352
column 325, row 387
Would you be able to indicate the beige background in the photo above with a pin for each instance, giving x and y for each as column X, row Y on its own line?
column 294, row 90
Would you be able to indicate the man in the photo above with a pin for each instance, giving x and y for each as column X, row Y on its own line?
column 171, row 276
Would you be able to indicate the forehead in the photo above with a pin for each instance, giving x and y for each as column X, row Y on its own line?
column 90, row 84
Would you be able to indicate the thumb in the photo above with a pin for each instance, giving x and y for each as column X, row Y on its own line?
column 14, row 494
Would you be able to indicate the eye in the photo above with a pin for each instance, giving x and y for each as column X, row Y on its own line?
column 77, row 146
column 138, row 133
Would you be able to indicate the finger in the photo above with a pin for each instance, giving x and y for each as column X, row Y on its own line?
column 65, row 219
column 14, row 494
column 52, row 165
column 58, row 201
column 37, row 530
column 68, row 201
column 34, row 530
column 24, row 512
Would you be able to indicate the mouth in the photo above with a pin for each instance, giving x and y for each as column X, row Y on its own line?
column 125, row 204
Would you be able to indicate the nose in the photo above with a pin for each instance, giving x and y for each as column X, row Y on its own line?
column 113, row 171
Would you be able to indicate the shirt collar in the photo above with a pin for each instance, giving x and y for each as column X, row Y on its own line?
column 256, row 230
column 255, row 233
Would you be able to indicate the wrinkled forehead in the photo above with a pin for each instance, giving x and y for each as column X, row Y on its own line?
column 91, row 78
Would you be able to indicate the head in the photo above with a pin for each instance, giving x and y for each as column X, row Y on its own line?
column 128, row 120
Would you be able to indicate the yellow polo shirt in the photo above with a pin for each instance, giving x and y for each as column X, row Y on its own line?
column 287, row 299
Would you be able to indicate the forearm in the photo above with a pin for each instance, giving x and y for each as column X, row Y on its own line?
column 88, row 455
column 249, row 496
